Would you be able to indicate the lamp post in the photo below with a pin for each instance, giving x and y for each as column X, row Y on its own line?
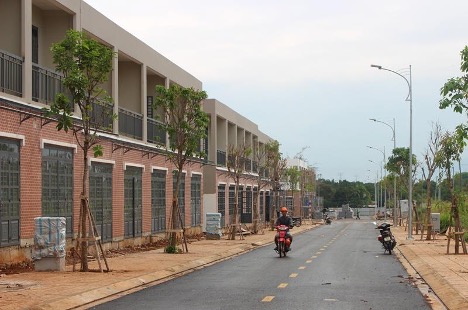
column 383, row 179
column 377, row 198
column 395, row 215
column 410, row 178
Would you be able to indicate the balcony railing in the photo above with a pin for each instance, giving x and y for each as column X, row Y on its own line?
column 11, row 74
column 156, row 134
column 130, row 124
column 46, row 84
column 221, row 158
column 247, row 164
column 101, row 116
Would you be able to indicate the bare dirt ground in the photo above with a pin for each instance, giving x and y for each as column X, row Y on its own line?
column 28, row 266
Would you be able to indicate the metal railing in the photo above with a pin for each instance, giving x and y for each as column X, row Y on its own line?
column 46, row 84
column 247, row 164
column 221, row 158
column 156, row 134
column 130, row 124
column 101, row 116
column 11, row 74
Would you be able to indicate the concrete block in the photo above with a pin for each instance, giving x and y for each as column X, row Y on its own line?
column 50, row 264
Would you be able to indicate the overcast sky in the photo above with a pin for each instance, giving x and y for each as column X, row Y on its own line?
column 301, row 69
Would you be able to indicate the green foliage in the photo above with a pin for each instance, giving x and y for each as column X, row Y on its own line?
column 444, row 221
column 455, row 93
column 398, row 163
column 293, row 174
column 172, row 249
column 85, row 65
column 183, row 120
column 336, row 194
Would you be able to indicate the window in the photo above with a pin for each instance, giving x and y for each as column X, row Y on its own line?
column 222, row 203
column 247, row 205
column 132, row 201
column 262, row 204
column 181, row 195
column 195, row 199
column 232, row 200
column 9, row 192
column 57, row 183
column 158, row 200
column 35, row 45
column 100, row 198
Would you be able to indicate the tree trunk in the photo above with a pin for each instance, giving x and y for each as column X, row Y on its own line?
column 84, row 208
column 235, row 211
column 256, row 205
column 428, row 210
column 174, row 214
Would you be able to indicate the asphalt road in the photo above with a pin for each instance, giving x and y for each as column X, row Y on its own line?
column 338, row 266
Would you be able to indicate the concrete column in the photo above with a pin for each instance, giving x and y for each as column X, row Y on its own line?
column 115, row 89
column 26, row 48
column 144, row 110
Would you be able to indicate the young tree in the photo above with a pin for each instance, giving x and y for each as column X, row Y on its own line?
column 277, row 166
column 85, row 65
column 398, row 163
column 293, row 175
column 236, row 168
column 432, row 163
column 186, row 124
column 452, row 146
column 260, row 158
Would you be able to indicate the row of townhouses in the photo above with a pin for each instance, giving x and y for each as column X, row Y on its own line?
column 131, row 185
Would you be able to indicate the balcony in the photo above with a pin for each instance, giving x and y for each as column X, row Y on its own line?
column 11, row 74
column 247, row 164
column 221, row 158
column 156, row 134
column 130, row 124
column 101, row 116
column 46, row 84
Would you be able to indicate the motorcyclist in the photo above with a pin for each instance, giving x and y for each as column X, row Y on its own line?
column 286, row 220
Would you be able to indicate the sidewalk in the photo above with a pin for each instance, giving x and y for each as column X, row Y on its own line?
column 447, row 275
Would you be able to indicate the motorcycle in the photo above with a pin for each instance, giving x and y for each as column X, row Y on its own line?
column 297, row 221
column 283, row 242
column 386, row 237
column 327, row 220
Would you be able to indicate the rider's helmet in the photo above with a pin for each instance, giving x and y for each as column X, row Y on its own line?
column 284, row 210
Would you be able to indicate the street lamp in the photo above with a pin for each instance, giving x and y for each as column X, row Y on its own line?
column 410, row 178
column 381, row 175
column 376, row 191
column 395, row 220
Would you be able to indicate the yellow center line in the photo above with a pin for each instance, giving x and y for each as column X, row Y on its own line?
column 310, row 261
column 315, row 256
column 318, row 253
column 293, row 275
column 268, row 298
column 282, row 285
column 302, row 267
column 323, row 249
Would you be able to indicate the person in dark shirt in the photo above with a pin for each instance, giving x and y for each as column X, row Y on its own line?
column 286, row 220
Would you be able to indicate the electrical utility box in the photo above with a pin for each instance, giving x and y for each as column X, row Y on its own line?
column 435, row 219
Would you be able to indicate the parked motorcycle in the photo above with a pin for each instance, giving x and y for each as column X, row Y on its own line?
column 297, row 221
column 386, row 237
column 283, row 242
column 327, row 220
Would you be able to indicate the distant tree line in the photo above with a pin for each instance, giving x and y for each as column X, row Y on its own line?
column 359, row 194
